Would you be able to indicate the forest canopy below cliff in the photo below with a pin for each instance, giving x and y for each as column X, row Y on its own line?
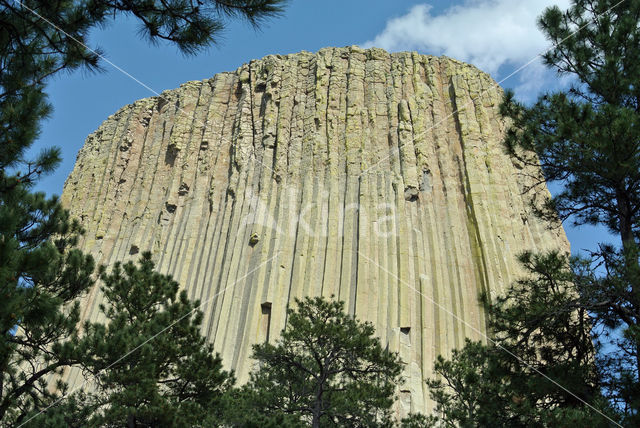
column 564, row 347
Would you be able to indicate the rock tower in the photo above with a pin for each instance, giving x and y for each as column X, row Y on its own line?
column 378, row 178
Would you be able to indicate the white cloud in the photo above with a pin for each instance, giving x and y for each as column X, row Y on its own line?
column 486, row 33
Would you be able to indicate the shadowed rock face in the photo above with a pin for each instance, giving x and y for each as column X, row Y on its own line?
column 378, row 178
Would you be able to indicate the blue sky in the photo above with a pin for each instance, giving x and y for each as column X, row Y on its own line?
column 498, row 36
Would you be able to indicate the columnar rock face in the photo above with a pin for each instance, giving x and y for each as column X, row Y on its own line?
column 377, row 178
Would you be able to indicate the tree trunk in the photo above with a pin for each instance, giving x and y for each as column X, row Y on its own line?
column 630, row 253
column 629, row 246
column 317, row 403
column 317, row 409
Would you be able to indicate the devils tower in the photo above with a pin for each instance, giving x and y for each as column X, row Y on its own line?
column 378, row 178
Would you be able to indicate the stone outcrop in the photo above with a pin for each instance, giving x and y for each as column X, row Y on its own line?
column 378, row 178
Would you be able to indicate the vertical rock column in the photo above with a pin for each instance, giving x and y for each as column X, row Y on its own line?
column 376, row 178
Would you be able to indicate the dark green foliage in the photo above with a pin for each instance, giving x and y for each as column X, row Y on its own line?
column 471, row 391
column 40, row 279
column 152, row 365
column 541, row 320
column 149, row 366
column 417, row 420
column 40, row 38
column 327, row 369
column 610, row 298
column 538, row 370
column 69, row 412
column 588, row 139
column 242, row 410
column 40, row 276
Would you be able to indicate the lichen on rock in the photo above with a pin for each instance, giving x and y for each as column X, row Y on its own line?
column 374, row 177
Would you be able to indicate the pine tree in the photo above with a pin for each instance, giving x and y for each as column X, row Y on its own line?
column 150, row 365
column 538, row 368
column 327, row 369
column 588, row 139
column 41, row 276
column 40, row 279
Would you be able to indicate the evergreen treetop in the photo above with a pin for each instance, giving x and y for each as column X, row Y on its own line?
column 327, row 369
column 41, row 276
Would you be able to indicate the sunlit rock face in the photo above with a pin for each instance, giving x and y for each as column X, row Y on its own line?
column 377, row 178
